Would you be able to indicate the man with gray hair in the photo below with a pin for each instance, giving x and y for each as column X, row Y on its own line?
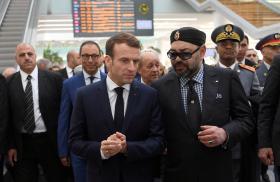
column 149, row 66
column 44, row 64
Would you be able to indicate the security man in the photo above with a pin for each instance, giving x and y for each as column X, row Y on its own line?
column 269, row 47
column 244, row 155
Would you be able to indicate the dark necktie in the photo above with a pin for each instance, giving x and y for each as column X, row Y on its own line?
column 119, row 109
column 28, row 120
column 91, row 78
column 194, row 112
column 73, row 72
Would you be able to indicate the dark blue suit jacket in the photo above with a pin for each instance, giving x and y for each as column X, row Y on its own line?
column 92, row 122
column 69, row 90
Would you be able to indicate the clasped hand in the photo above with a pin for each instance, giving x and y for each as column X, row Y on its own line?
column 114, row 144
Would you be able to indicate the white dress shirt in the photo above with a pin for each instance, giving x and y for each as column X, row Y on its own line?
column 96, row 76
column 224, row 66
column 69, row 71
column 39, row 122
column 113, row 98
column 113, row 95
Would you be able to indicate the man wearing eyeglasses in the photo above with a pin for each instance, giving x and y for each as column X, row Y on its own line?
column 90, row 57
column 205, row 112
column 227, row 38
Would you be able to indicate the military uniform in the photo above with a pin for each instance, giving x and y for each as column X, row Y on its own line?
column 262, row 72
column 245, row 161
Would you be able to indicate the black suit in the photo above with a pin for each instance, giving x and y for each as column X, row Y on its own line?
column 3, row 120
column 4, row 113
column 269, row 112
column 63, row 73
column 225, row 105
column 30, row 147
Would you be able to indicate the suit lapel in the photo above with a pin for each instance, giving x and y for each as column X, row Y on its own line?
column 103, row 97
column 81, row 79
column 42, row 87
column 174, row 93
column 131, row 104
column 19, row 93
column 210, row 92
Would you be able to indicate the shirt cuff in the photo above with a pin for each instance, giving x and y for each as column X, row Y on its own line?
column 103, row 156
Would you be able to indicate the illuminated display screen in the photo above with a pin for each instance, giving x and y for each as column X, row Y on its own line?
column 100, row 18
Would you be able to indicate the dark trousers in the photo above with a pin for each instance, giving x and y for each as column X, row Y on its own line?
column 276, row 173
column 37, row 150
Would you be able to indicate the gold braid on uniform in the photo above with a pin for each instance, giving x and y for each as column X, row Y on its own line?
column 250, row 68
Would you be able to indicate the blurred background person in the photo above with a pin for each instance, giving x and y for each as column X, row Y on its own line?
column 44, row 64
column 9, row 71
column 269, row 47
column 252, row 55
column 72, row 61
column 149, row 66
column 244, row 44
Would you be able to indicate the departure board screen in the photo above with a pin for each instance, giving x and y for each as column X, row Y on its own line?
column 101, row 18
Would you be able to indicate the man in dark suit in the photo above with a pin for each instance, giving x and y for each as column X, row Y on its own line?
column 244, row 44
column 3, row 121
column 34, row 97
column 205, row 111
column 90, row 56
column 268, row 121
column 116, row 123
column 72, row 62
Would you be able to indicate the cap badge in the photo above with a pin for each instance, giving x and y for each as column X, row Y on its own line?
column 177, row 35
column 277, row 36
column 228, row 28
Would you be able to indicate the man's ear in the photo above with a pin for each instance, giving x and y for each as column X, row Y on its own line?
column 108, row 61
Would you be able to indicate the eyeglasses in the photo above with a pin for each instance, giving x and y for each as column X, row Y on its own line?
column 183, row 55
column 86, row 57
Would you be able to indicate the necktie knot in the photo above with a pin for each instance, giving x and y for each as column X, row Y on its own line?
column 119, row 90
column 29, row 77
column 91, row 78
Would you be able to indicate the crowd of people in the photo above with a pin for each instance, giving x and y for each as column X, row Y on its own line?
column 119, row 116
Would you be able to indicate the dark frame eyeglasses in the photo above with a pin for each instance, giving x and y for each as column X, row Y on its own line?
column 87, row 56
column 172, row 55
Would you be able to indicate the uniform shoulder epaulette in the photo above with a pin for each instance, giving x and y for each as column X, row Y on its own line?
column 247, row 67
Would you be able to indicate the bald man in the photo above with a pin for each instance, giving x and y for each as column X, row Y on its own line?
column 72, row 61
column 149, row 66
column 34, row 97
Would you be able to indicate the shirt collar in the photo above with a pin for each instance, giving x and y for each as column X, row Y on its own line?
column 224, row 66
column 111, row 85
column 68, row 69
column 34, row 74
column 198, row 77
column 96, row 75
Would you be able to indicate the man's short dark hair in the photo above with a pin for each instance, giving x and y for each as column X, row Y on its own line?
column 246, row 37
column 87, row 43
column 120, row 38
